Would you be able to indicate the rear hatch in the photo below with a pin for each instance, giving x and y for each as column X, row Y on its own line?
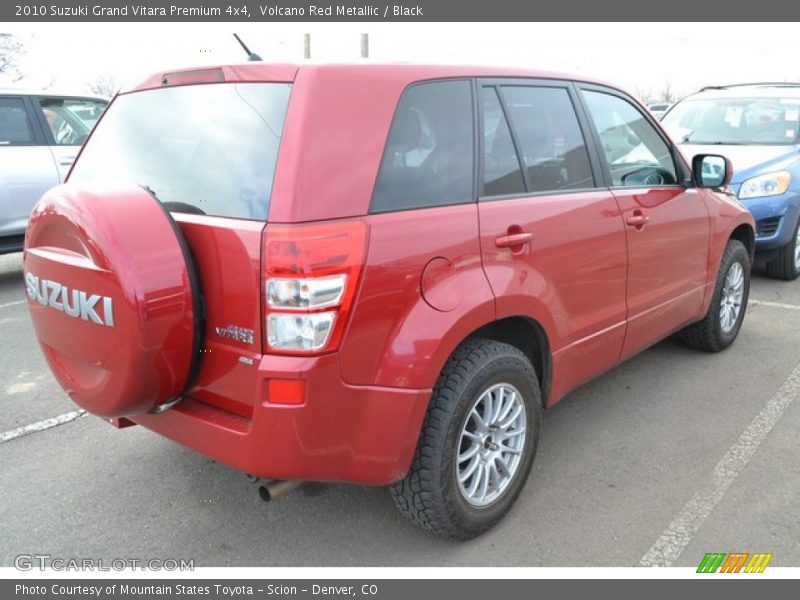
column 207, row 153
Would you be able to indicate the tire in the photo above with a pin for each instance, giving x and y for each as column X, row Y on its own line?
column 479, row 371
column 715, row 332
column 786, row 265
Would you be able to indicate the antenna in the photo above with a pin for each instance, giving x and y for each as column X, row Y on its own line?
column 250, row 55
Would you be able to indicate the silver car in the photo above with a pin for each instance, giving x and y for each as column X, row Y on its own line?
column 40, row 135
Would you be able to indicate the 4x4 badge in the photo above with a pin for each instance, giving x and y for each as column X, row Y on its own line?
column 238, row 334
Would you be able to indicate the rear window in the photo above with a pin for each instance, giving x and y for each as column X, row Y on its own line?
column 205, row 149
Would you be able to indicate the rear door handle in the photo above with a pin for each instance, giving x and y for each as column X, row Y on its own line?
column 513, row 239
column 638, row 220
column 66, row 160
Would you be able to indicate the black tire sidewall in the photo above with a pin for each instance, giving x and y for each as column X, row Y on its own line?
column 791, row 248
column 516, row 371
column 735, row 252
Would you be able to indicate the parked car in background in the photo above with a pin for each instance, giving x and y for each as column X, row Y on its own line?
column 40, row 134
column 658, row 108
column 379, row 274
column 756, row 126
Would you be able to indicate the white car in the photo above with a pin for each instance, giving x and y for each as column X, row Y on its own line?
column 40, row 135
column 658, row 109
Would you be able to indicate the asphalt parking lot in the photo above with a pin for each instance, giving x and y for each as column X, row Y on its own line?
column 669, row 456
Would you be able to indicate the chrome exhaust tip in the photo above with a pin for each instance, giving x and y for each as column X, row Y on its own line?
column 275, row 489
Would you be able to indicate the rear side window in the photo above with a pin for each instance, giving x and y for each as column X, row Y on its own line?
column 15, row 128
column 429, row 156
column 551, row 143
column 71, row 119
column 206, row 149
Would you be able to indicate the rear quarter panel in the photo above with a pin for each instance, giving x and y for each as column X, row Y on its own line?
column 395, row 337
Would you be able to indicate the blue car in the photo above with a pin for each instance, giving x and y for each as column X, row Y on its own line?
column 756, row 127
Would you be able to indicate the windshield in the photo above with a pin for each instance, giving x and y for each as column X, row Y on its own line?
column 746, row 121
column 206, row 149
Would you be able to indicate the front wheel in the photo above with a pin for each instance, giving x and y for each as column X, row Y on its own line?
column 725, row 315
column 477, row 443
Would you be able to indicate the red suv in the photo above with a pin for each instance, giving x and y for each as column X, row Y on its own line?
column 375, row 274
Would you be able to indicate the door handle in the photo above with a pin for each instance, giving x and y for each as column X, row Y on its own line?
column 637, row 220
column 66, row 161
column 513, row 239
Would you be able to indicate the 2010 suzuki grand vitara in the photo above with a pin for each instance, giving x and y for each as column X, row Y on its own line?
column 376, row 274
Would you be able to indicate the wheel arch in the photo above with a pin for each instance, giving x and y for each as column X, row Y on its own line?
column 745, row 234
column 527, row 335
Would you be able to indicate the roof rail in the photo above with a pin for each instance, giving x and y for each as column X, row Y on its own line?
column 753, row 84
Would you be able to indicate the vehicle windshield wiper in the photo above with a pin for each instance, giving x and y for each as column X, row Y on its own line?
column 149, row 190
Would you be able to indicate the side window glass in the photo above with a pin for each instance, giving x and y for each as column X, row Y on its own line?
column 429, row 157
column 15, row 127
column 501, row 171
column 637, row 156
column 552, row 145
column 71, row 119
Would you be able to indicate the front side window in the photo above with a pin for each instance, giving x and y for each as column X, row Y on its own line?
column 207, row 149
column 71, row 119
column 636, row 154
column 429, row 156
column 738, row 121
column 15, row 128
column 551, row 143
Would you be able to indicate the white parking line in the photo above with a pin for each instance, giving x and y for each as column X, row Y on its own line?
column 774, row 304
column 41, row 425
column 7, row 304
column 685, row 525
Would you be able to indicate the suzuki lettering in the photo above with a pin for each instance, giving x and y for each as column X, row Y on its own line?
column 77, row 304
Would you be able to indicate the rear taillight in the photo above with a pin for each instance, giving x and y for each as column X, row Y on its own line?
column 310, row 279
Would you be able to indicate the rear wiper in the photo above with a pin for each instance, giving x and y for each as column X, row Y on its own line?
column 178, row 207
column 149, row 190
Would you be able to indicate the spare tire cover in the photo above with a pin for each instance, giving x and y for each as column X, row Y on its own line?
column 113, row 297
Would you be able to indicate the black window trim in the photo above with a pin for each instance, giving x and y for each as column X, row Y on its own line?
column 514, row 140
column 682, row 170
column 49, row 139
column 598, row 174
column 473, row 197
column 37, row 133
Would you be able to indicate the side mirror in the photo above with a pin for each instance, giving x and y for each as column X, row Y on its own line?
column 711, row 171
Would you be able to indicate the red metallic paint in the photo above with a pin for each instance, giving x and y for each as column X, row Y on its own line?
column 667, row 262
column 227, row 253
column 570, row 277
column 431, row 277
column 395, row 337
column 116, row 243
column 364, row 434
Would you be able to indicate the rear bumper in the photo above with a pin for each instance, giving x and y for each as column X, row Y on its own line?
column 340, row 433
